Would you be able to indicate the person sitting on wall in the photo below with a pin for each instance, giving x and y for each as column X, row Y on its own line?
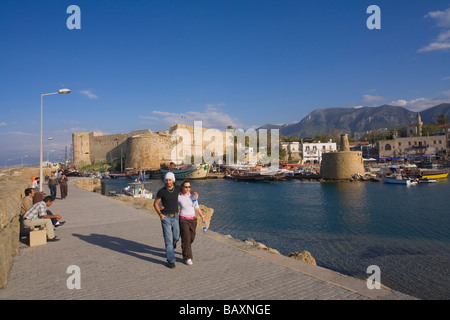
column 37, row 216
column 27, row 202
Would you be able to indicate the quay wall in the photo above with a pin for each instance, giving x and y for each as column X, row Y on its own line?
column 13, row 182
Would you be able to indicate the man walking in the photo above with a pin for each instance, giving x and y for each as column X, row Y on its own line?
column 168, row 213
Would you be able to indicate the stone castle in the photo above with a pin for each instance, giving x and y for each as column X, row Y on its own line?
column 144, row 149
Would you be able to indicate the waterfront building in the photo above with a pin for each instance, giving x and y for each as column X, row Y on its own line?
column 307, row 152
column 415, row 144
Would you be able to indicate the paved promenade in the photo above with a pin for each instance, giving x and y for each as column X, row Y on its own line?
column 119, row 250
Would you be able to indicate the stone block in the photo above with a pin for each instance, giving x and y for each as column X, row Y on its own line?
column 38, row 237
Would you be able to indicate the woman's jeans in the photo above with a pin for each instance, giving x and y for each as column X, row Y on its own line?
column 171, row 233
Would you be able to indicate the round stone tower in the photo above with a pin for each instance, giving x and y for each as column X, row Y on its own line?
column 343, row 164
column 147, row 151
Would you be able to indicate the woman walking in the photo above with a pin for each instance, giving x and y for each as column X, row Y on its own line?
column 188, row 221
column 63, row 186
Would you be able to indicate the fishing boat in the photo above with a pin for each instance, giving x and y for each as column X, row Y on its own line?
column 427, row 180
column 248, row 176
column 399, row 179
column 136, row 190
column 432, row 174
column 117, row 176
column 189, row 171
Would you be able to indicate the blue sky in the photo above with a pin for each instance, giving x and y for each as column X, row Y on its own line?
column 150, row 64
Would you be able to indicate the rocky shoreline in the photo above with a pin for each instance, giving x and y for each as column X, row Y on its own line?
column 94, row 185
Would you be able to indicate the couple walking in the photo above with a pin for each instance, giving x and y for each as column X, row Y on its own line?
column 173, row 225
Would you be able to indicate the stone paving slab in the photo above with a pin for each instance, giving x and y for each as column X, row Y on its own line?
column 119, row 250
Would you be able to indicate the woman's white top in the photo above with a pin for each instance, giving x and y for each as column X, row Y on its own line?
column 187, row 206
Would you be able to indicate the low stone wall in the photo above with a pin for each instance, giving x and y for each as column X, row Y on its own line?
column 13, row 182
column 89, row 184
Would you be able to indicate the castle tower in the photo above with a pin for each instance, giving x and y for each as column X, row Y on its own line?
column 344, row 144
column 343, row 164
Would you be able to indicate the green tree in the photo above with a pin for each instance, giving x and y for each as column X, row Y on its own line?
column 442, row 119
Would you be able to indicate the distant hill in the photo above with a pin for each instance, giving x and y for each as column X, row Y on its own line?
column 431, row 115
column 351, row 120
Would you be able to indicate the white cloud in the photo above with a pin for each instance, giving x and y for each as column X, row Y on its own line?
column 420, row 104
column 371, row 98
column 442, row 17
column 211, row 118
column 89, row 94
column 442, row 42
column 2, row 124
column 399, row 103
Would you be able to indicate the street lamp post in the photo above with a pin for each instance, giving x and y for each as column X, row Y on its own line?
column 61, row 91
column 26, row 156
column 48, row 154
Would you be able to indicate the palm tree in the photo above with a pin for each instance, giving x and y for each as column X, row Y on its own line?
column 442, row 119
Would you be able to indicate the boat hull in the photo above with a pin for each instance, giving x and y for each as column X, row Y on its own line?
column 249, row 178
column 407, row 182
column 198, row 172
column 436, row 175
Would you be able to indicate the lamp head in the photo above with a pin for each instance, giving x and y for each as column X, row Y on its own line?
column 63, row 91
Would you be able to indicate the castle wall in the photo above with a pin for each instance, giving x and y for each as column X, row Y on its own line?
column 94, row 147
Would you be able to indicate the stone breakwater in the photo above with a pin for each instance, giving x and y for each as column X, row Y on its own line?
column 94, row 185
column 13, row 182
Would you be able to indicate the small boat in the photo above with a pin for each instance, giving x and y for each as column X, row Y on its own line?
column 118, row 176
column 189, row 171
column 434, row 174
column 398, row 179
column 136, row 190
column 253, row 175
column 427, row 180
column 248, row 177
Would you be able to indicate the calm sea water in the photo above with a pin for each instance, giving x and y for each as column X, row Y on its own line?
column 346, row 226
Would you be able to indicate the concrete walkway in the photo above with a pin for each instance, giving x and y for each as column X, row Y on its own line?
column 119, row 250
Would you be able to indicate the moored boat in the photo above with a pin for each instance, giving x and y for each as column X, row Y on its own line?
column 248, row 177
column 189, row 171
column 427, row 180
column 136, row 190
column 432, row 174
column 398, row 179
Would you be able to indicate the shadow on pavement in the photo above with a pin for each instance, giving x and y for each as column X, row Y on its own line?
column 132, row 248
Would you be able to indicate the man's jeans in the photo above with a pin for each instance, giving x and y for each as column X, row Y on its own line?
column 171, row 233
column 53, row 190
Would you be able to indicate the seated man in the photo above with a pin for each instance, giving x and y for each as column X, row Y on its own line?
column 27, row 202
column 37, row 216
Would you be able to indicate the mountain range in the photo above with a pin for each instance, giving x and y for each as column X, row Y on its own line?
column 362, row 119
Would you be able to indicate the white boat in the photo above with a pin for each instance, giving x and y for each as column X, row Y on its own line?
column 189, row 171
column 136, row 190
column 398, row 179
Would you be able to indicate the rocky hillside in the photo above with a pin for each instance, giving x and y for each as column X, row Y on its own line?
column 351, row 120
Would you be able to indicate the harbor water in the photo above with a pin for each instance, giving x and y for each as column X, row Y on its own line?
column 346, row 226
